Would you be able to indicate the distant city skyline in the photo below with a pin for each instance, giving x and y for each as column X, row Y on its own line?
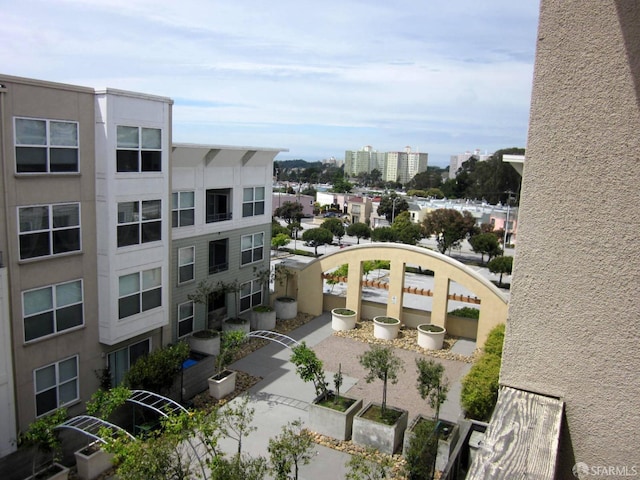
column 317, row 79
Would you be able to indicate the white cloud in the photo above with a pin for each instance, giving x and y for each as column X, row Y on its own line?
column 317, row 78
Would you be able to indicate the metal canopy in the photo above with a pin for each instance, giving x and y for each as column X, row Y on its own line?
column 163, row 405
column 92, row 426
column 274, row 337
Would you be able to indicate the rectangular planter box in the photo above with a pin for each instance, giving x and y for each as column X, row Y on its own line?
column 445, row 445
column 223, row 386
column 62, row 474
column 94, row 464
column 382, row 437
column 330, row 422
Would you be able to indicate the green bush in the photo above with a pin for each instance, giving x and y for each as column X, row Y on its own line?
column 157, row 370
column 495, row 340
column 466, row 312
column 480, row 388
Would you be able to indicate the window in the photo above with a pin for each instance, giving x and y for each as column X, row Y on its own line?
column 218, row 206
column 185, row 319
column 52, row 309
column 139, row 222
column 253, row 202
column 186, row 264
column 250, row 295
column 252, row 247
column 182, row 209
column 46, row 146
column 139, row 149
column 49, row 230
column 139, row 292
column 218, row 256
column 56, row 385
column 121, row 360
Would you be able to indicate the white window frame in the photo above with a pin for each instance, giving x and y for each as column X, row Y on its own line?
column 50, row 229
column 141, row 290
column 139, row 148
column 177, row 208
column 253, row 203
column 186, row 318
column 253, row 248
column 48, row 145
column 58, row 383
column 182, row 263
column 139, row 219
column 252, row 291
column 54, row 309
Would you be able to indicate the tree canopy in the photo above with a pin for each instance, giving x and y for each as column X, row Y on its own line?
column 501, row 265
column 406, row 231
column 359, row 230
column 315, row 237
column 449, row 226
column 485, row 244
column 392, row 205
column 335, row 226
column 290, row 212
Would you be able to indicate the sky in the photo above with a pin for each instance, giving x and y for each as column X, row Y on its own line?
column 316, row 78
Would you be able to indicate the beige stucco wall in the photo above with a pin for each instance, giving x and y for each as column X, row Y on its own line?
column 574, row 315
column 493, row 308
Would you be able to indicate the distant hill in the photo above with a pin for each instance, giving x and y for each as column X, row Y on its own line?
column 298, row 163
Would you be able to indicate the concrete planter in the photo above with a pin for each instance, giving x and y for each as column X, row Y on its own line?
column 448, row 433
column 206, row 342
column 222, row 384
column 430, row 336
column 343, row 319
column 92, row 461
column 330, row 422
column 386, row 328
column 58, row 472
column 286, row 308
column 263, row 320
column 236, row 324
column 384, row 438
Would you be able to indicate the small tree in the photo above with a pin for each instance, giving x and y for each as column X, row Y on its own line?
column 485, row 244
column 264, row 277
column 230, row 343
column 202, row 295
column 104, row 402
column 422, row 452
column 316, row 237
column 282, row 275
column 290, row 212
column 383, row 365
column 43, row 438
column 359, row 230
column 335, row 226
column 369, row 466
column 384, row 234
column 309, row 367
column 280, row 240
column 501, row 265
column 235, row 421
column 430, row 383
column 292, row 448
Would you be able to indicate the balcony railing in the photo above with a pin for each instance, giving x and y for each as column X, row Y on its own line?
column 218, row 217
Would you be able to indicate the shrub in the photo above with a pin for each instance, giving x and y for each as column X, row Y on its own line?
column 466, row 312
column 422, row 452
column 480, row 388
column 495, row 340
column 156, row 371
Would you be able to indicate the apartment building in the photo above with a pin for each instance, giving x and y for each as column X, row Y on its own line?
column 456, row 161
column 90, row 276
column 221, row 220
column 403, row 166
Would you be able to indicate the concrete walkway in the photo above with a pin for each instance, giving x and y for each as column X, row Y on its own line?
column 281, row 397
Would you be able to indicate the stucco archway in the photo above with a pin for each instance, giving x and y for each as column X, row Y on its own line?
column 493, row 307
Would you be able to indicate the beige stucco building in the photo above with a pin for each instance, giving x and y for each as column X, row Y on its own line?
column 574, row 317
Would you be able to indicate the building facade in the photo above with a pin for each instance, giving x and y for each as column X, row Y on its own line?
column 456, row 161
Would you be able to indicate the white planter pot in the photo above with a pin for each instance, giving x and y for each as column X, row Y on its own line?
column 233, row 324
column 62, row 474
column 343, row 321
column 222, row 384
column 206, row 345
column 431, row 336
column 386, row 328
column 91, row 464
column 263, row 320
column 286, row 308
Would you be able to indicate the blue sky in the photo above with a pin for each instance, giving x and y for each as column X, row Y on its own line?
column 317, row 78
